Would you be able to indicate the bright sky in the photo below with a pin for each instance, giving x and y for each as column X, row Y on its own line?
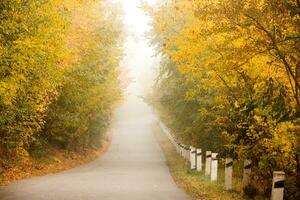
column 139, row 56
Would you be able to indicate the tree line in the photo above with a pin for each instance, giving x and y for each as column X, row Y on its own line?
column 58, row 77
column 229, row 81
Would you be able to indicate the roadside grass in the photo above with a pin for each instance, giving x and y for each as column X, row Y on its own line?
column 196, row 184
column 55, row 161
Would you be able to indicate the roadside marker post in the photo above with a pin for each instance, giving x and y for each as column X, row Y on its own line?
column 193, row 158
column 181, row 149
column 214, row 167
column 187, row 153
column 199, row 159
column 278, row 185
column 228, row 173
column 207, row 163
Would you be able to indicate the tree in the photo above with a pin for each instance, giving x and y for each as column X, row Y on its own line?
column 230, row 78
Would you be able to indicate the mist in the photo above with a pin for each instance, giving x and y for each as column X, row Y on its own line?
column 139, row 60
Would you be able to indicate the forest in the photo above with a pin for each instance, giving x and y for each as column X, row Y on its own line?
column 229, row 81
column 58, row 78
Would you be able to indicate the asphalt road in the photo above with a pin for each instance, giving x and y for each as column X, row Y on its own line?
column 134, row 167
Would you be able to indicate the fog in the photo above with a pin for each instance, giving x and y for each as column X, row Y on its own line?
column 139, row 59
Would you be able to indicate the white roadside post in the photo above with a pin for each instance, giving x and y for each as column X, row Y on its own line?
column 214, row 167
column 228, row 173
column 187, row 152
column 278, row 185
column 184, row 151
column 181, row 149
column 199, row 159
column 207, row 162
column 193, row 157
column 246, row 173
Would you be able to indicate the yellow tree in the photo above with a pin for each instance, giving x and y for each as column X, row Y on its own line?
column 231, row 67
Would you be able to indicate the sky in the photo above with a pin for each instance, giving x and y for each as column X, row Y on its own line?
column 139, row 57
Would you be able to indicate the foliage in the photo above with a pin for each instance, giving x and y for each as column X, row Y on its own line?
column 82, row 112
column 58, row 76
column 194, row 183
column 230, row 78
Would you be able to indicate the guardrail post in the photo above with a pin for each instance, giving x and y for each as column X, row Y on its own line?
column 199, row 159
column 187, row 152
column 207, row 162
column 181, row 150
column 214, row 167
column 193, row 157
column 278, row 185
column 228, row 173
column 246, row 173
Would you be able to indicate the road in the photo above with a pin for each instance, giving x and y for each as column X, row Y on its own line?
column 134, row 167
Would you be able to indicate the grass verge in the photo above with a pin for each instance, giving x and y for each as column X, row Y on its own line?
column 196, row 184
column 56, row 161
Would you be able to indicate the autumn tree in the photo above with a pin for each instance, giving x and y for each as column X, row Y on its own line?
column 228, row 79
column 58, row 77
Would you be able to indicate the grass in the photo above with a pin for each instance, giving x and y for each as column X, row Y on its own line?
column 56, row 160
column 196, row 184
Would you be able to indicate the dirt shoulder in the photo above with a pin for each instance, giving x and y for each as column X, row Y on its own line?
column 56, row 161
column 196, row 184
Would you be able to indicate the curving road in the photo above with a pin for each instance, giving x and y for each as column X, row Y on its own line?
column 133, row 168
